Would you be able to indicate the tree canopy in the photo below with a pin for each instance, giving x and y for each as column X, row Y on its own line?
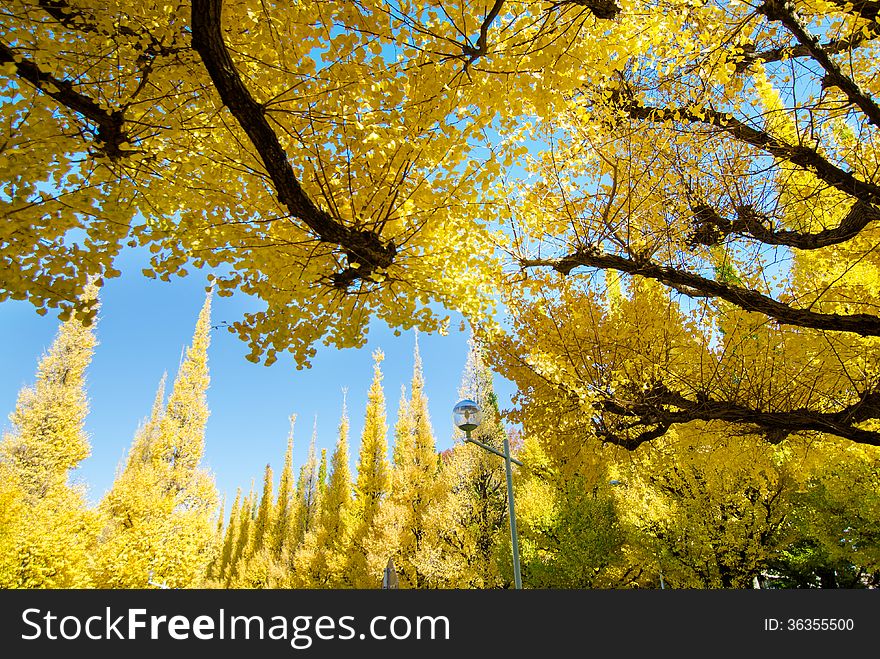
column 675, row 201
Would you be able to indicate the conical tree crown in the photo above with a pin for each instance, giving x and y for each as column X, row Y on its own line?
column 48, row 436
column 373, row 472
column 476, row 384
column 462, row 532
column 404, row 446
column 47, row 534
column 141, row 449
column 307, row 492
column 264, row 521
column 284, row 504
column 415, row 484
column 181, row 442
column 230, row 537
column 161, row 509
column 322, row 558
column 336, row 501
column 424, row 444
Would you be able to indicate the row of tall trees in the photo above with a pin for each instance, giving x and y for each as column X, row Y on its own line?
column 157, row 518
column 700, row 507
column 160, row 521
column 439, row 517
column 676, row 203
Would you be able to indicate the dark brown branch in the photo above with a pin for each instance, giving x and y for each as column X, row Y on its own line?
column 799, row 155
column 110, row 134
column 605, row 9
column 750, row 56
column 66, row 15
column 76, row 19
column 781, row 10
column 482, row 46
column 661, row 408
column 697, row 286
column 365, row 249
column 867, row 9
column 711, row 228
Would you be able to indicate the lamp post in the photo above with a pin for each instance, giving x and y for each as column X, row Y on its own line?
column 467, row 416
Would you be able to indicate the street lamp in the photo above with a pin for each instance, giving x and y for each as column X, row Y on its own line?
column 467, row 416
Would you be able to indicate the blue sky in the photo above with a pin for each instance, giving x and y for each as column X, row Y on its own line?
column 142, row 329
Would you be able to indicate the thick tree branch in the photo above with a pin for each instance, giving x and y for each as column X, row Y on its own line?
column 110, row 123
column 66, row 15
column 697, row 286
column 365, row 249
column 867, row 9
column 799, row 155
column 871, row 30
column 750, row 56
column 661, row 408
column 78, row 20
column 711, row 228
column 783, row 11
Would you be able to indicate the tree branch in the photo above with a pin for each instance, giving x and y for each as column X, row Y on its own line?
column 76, row 19
column 662, row 408
column 69, row 17
column 712, row 228
column 867, row 9
column 782, row 11
column 482, row 46
column 605, row 9
column 696, row 286
column 365, row 249
column 749, row 55
column 110, row 134
column 799, row 155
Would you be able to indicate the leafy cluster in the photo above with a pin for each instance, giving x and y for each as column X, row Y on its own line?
column 673, row 204
column 700, row 507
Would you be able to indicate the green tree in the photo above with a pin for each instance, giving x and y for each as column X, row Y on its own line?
column 710, row 509
column 832, row 536
column 571, row 535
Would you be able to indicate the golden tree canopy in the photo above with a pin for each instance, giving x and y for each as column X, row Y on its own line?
column 343, row 161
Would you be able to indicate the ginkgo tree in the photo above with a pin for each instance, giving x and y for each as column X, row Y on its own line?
column 342, row 161
column 306, row 151
column 696, row 238
column 46, row 532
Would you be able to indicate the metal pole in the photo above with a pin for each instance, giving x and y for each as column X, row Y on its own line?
column 514, row 539
column 492, row 450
